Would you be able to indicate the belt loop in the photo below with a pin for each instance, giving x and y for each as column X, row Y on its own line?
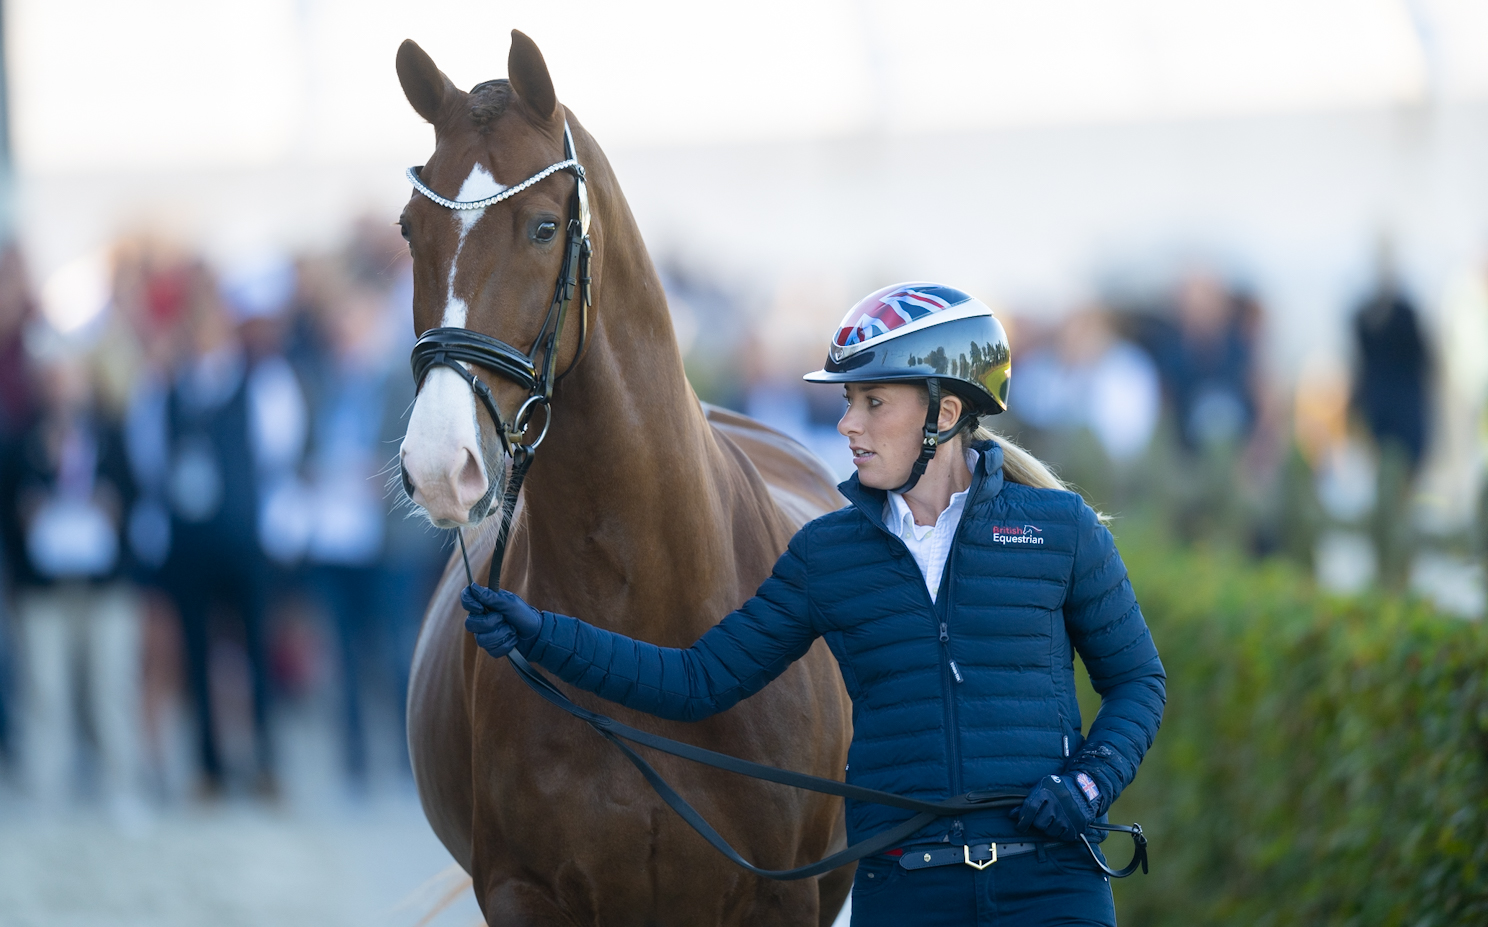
column 1040, row 852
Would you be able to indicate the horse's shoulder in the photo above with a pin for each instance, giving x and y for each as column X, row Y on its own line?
column 800, row 483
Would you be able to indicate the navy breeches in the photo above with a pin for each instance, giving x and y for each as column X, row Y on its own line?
column 1056, row 885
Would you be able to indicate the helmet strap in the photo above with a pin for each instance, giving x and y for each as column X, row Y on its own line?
column 933, row 437
column 930, row 441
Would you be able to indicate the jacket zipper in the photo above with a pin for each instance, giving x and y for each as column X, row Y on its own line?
column 950, row 675
column 953, row 742
column 948, row 668
column 949, row 671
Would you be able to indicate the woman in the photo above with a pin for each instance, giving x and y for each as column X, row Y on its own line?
column 952, row 591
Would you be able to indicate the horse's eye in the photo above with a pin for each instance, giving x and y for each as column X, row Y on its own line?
column 405, row 229
column 546, row 230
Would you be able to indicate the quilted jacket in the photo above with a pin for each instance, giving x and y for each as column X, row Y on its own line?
column 973, row 691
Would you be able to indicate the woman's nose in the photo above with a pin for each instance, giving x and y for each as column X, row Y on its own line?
column 847, row 425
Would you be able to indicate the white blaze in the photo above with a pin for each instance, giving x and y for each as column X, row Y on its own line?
column 479, row 185
column 442, row 450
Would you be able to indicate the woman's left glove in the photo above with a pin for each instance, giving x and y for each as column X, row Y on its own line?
column 499, row 619
column 1056, row 807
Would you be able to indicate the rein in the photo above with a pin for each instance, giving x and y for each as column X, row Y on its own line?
column 618, row 733
column 455, row 348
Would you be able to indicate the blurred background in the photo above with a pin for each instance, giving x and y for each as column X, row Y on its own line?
column 1241, row 249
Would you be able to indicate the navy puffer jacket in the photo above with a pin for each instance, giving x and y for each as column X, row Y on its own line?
column 1031, row 572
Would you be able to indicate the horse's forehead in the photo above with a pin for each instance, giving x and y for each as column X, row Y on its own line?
column 503, row 148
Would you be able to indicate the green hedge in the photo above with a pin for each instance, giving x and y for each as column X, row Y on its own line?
column 1321, row 761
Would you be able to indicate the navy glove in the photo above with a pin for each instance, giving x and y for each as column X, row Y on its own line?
column 1055, row 807
column 499, row 619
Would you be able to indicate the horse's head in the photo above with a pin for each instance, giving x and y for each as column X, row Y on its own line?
column 487, row 271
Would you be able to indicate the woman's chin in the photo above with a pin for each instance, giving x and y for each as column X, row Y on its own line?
column 872, row 477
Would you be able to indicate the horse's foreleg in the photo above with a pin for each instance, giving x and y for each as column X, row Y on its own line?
column 439, row 742
column 834, row 887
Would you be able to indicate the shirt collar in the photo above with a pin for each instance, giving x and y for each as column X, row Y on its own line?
column 986, row 482
column 900, row 520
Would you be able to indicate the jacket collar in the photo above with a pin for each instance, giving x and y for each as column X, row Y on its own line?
column 986, row 483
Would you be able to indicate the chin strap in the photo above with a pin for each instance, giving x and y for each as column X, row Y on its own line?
column 933, row 436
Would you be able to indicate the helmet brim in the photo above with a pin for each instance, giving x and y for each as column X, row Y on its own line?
column 969, row 356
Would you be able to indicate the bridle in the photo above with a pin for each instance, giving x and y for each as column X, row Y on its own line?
column 456, row 348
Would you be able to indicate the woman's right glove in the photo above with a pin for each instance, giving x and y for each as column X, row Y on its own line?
column 499, row 619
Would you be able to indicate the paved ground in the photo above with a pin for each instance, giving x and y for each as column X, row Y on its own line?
column 320, row 857
column 227, row 866
column 239, row 865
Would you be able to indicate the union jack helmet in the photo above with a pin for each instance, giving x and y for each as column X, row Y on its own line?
column 915, row 331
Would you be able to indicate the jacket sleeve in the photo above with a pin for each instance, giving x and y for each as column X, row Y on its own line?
column 735, row 659
column 1108, row 631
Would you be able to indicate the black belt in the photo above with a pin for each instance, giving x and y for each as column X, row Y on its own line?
column 976, row 855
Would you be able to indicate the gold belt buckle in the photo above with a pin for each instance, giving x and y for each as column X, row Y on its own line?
column 973, row 863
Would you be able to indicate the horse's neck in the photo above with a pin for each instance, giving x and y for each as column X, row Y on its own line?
column 633, row 514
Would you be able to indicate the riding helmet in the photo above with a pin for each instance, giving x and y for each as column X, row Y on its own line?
column 923, row 331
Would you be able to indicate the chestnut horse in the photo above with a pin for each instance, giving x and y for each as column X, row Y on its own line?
column 644, row 511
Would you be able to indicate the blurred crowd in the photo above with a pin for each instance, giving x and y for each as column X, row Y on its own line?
column 197, row 526
column 201, row 530
column 1166, row 406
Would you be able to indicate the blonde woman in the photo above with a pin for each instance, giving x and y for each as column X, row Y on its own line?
column 954, row 591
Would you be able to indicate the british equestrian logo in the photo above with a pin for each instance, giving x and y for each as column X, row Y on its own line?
column 1015, row 534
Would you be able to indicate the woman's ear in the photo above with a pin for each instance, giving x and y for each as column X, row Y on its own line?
column 951, row 408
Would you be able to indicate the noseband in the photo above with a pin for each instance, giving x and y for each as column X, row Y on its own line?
column 456, row 348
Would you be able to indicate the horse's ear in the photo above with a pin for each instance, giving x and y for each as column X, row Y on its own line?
column 423, row 83
column 529, row 76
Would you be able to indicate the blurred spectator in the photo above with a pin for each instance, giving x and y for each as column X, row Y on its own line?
column 1207, row 363
column 1394, row 369
column 1092, row 379
column 66, row 489
column 373, row 566
column 1390, row 395
column 1206, row 354
column 350, row 389
column 17, row 309
column 229, row 422
column 151, row 284
column 16, row 408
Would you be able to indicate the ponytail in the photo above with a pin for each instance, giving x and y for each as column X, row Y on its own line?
column 1019, row 466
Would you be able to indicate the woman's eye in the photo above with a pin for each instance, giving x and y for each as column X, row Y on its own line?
column 545, row 231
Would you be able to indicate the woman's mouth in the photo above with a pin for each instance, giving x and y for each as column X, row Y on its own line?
column 861, row 455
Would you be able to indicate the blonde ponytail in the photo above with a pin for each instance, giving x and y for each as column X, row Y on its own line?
column 1019, row 466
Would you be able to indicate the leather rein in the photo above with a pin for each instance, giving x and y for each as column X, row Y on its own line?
column 456, row 348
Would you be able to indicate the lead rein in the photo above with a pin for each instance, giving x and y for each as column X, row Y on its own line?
column 616, row 733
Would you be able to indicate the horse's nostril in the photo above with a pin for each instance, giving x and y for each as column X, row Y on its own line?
column 407, row 481
column 471, row 481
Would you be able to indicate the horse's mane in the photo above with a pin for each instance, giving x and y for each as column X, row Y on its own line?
column 488, row 100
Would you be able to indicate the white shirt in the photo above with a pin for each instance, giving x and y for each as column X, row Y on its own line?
column 930, row 544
